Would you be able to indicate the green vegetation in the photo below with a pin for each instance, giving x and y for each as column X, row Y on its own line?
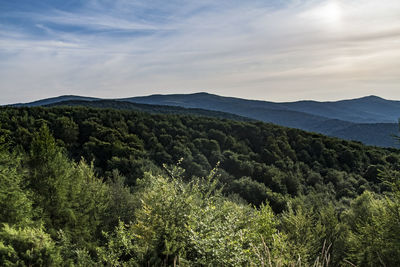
column 154, row 109
column 89, row 187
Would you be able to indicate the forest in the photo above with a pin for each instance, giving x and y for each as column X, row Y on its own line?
column 84, row 186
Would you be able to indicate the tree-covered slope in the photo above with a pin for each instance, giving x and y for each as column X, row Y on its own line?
column 319, row 201
column 258, row 161
column 155, row 109
column 379, row 134
column 342, row 119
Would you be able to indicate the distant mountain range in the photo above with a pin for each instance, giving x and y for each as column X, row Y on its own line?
column 371, row 120
column 370, row 109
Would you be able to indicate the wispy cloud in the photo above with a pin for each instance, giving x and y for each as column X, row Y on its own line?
column 279, row 50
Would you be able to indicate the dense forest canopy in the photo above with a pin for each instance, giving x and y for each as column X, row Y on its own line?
column 101, row 186
column 156, row 109
column 258, row 161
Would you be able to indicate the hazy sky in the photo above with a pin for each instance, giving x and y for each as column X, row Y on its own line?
column 278, row 50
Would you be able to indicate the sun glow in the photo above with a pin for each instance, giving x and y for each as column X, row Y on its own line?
column 332, row 12
column 328, row 13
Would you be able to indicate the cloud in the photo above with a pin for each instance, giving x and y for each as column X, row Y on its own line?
column 282, row 50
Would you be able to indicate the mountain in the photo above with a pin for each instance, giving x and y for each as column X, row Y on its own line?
column 380, row 134
column 370, row 109
column 371, row 120
column 53, row 100
column 155, row 109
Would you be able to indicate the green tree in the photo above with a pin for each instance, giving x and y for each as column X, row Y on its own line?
column 69, row 195
column 374, row 230
column 15, row 203
column 27, row 247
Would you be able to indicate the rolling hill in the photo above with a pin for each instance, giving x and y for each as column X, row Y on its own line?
column 370, row 109
column 53, row 100
column 154, row 109
column 371, row 120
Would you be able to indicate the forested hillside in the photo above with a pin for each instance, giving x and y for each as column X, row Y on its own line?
column 369, row 109
column 156, row 109
column 347, row 119
column 341, row 119
column 101, row 187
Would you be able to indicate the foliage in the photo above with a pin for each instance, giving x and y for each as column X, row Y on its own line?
column 374, row 229
column 15, row 204
column 259, row 161
column 191, row 224
column 70, row 196
column 27, row 247
column 278, row 197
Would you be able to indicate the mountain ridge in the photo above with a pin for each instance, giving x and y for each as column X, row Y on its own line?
column 349, row 119
column 360, row 112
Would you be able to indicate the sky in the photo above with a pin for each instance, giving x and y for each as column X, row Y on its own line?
column 275, row 50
